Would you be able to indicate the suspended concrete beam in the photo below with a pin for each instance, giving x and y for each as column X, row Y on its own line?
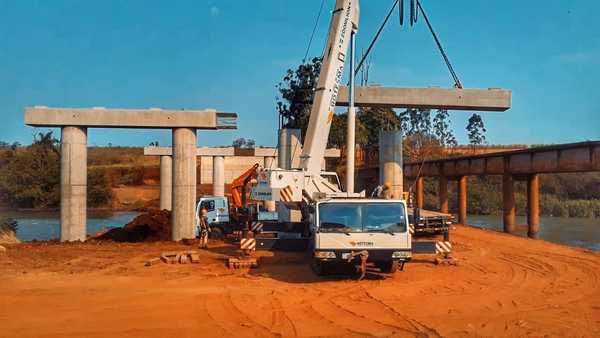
column 153, row 118
column 429, row 98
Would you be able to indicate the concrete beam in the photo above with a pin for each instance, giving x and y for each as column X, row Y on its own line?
column 429, row 98
column 228, row 152
column 129, row 118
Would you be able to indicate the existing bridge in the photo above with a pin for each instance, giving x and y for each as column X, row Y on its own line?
column 524, row 164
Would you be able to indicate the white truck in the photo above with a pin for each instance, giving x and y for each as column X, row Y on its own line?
column 341, row 226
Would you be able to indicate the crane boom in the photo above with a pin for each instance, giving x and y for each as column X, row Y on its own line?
column 344, row 21
column 295, row 186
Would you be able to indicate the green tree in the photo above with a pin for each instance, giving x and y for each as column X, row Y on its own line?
column 442, row 130
column 296, row 93
column 476, row 130
column 339, row 126
column 375, row 119
column 30, row 177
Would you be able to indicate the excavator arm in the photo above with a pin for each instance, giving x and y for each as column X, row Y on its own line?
column 239, row 193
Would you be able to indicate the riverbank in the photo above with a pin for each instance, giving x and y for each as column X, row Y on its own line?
column 503, row 285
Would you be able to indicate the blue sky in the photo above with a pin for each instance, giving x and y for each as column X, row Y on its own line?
column 230, row 54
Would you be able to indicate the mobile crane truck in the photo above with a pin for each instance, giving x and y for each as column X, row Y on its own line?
column 340, row 227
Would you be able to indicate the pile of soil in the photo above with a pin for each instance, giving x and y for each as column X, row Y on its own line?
column 152, row 226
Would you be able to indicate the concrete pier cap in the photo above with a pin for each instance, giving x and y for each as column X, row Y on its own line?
column 74, row 123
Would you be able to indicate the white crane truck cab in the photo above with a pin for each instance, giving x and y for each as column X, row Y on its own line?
column 341, row 227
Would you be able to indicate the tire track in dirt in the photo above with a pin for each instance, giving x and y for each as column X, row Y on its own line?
column 418, row 329
column 281, row 322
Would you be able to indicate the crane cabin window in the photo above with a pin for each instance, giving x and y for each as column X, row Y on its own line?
column 362, row 217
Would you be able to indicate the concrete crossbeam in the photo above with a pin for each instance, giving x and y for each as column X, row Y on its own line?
column 429, row 98
column 229, row 151
column 129, row 118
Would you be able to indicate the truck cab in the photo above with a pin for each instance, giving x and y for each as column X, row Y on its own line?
column 341, row 227
column 217, row 215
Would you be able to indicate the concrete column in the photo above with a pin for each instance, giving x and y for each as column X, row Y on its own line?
column 166, row 182
column 533, row 205
column 218, row 176
column 184, row 183
column 443, row 194
column 289, row 152
column 508, row 200
column 290, row 148
column 420, row 193
column 390, row 161
column 269, row 164
column 73, row 183
column 462, row 200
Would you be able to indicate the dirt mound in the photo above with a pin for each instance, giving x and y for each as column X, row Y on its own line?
column 155, row 225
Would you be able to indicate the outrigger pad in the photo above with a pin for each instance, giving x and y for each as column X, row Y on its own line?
column 242, row 262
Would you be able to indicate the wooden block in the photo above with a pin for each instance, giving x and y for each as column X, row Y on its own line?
column 240, row 263
column 183, row 259
column 195, row 258
column 165, row 259
column 152, row 261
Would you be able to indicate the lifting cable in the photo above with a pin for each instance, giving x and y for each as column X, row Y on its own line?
column 362, row 60
column 312, row 35
column 457, row 83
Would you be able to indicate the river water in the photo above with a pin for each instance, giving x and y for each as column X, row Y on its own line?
column 581, row 232
column 44, row 225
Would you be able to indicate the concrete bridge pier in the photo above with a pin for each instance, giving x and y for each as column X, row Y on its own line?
column 443, row 193
column 166, row 182
column 508, row 200
column 218, row 176
column 533, row 205
column 420, row 193
column 184, row 183
column 269, row 163
column 73, row 183
column 462, row 200
column 390, row 161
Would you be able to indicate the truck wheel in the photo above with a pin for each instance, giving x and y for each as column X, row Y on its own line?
column 388, row 266
column 216, row 233
column 319, row 267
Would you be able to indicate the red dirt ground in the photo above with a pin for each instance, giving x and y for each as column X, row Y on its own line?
column 502, row 286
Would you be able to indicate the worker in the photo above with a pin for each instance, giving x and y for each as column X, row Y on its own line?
column 383, row 191
column 204, row 228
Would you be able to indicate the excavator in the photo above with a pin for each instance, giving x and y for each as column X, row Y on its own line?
column 227, row 215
